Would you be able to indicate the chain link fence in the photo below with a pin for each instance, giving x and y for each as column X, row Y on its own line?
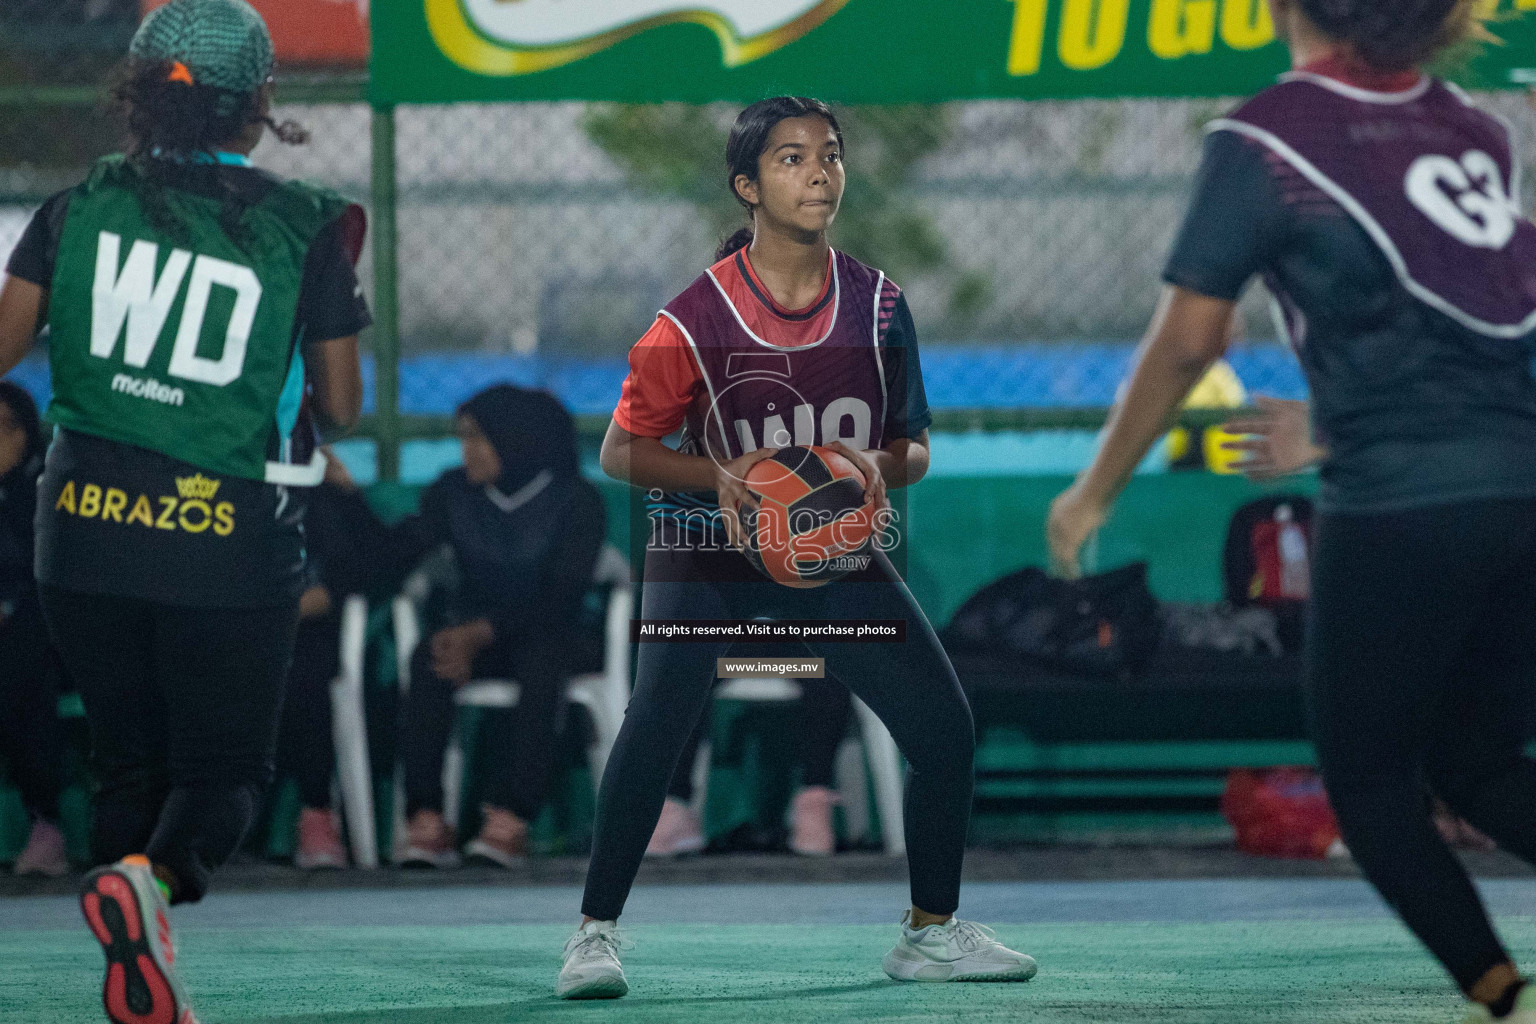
column 532, row 246
column 537, row 241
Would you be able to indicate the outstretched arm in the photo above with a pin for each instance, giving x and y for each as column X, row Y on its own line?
column 1189, row 332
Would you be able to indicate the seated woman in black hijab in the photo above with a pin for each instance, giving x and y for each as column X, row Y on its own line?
column 526, row 530
column 31, row 740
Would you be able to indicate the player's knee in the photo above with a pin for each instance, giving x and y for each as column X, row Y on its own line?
column 1461, row 782
column 653, row 727
column 945, row 741
column 1346, row 765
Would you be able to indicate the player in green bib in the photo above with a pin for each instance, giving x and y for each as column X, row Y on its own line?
column 203, row 320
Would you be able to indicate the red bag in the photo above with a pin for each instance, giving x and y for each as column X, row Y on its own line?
column 1264, row 560
column 1280, row 812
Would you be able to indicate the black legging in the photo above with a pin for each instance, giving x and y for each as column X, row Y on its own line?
column 305, row 747
column 31, row 736
column 522, row 744
column 911, row 686
column 1421, row 669
column 183, row 706
column 822, row 717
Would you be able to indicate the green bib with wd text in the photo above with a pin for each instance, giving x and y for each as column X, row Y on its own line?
column 180, row 341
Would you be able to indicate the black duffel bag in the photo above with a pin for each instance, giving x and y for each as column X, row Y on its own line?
column 1103, row 625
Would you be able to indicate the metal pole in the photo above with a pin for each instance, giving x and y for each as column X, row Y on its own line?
column 386, row 296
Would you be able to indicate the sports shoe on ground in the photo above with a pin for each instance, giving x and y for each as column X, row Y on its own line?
column 428, row 842
column 320, row 844
column 810, row 818
column 954, row 951
column 503, row 839
column 677, row 831
column 1523, row 1013
column 127, row 913
column 44, row 852
column 591, row 969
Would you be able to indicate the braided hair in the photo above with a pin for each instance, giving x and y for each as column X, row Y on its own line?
column 174, row 124
column 1396, row 35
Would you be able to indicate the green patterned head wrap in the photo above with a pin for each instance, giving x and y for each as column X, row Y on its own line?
column 222, row 43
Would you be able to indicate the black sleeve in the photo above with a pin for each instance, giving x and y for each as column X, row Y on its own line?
column 33, row 258
column 346, row 539
column 331, row 303
column 906, row 400
column 1234, row 223
column 420, row 533
column 566, row 572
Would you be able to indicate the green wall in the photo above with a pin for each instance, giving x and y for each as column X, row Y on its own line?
column 967, row 531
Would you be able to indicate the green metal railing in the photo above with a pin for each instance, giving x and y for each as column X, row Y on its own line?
column 385, row 423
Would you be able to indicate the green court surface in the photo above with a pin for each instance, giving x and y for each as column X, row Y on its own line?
column 1319, row 953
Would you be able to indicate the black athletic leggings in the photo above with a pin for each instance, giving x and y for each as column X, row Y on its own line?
column 1421, row 668
column 31, row 735
column 523, row 741
column 910, row 685
column 183, row 706
column 305, row 748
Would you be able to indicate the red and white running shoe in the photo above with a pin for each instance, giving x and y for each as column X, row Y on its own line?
column 128, row 915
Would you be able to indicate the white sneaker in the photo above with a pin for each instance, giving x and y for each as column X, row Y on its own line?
column 592, row 969
column 954, row 951
column 1523, row 1013
column 127, row 913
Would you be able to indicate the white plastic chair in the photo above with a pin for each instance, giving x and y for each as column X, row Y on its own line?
column 604, row 694
column 880, row 755
column 349, row 732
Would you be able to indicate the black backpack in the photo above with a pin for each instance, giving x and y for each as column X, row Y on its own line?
column 1103, row 625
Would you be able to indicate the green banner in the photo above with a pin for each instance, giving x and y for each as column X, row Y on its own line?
column 852, row 51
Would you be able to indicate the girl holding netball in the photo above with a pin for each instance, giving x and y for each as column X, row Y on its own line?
column 200, row 312
column 783, row 334
column 1377, row 202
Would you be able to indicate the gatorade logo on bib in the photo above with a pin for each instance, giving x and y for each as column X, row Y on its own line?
column 130, row 298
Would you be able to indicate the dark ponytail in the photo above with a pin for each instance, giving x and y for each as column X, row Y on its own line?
column 749, row 138
column 171, row 122
column 1396, row 35
column 733, row 243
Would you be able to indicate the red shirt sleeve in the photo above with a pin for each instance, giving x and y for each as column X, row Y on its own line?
column 662, row 383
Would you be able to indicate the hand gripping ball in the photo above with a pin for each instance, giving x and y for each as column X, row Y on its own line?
column 812, row 524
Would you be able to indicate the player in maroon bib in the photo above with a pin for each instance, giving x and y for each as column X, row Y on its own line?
column 819, row 381
column 1378, row 205
column 784, row 341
